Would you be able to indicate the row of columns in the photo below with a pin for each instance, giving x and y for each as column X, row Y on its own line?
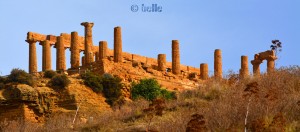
column 75, row 50
column 89, row 55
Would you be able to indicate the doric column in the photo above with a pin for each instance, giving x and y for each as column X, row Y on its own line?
column 270, row 65
column 161, row 62
column 32, row 57
column 96, row 56
column 75, row 51
column 118, row 45
column 175, row 57
column 218, row 64
column 102, row 50
column 244, row 71
column 256, row 69
column 60, row 54
column 204, row 71
column 83, row 60
column 46, row 55
column 88, row 42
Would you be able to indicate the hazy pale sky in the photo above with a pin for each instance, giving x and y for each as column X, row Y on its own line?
column 237, row 27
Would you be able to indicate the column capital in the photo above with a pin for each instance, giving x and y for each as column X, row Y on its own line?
column 256, row 62
column 30, row 41
column 87, row 24
column 271, row 58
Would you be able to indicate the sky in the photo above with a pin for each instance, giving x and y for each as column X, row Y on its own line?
column 237, row 27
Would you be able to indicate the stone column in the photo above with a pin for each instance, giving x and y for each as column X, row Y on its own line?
column 60, row 54
column 46, row 55
column 32, row 57
column 102, row 50
column 94, row 57
column 97, row 56
column 204, row 71
column 175, row 57
column 244, row 71
column 83, row 60
column 218, row 64
column 161, row 62
column 88, row 42
column 118, row 45
column 270, row 65
column 256, row 69
column 75, row 51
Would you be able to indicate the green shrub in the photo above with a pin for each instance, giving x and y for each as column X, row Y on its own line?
column 112, row 89
column 61, row 81
column 49, row 74
column 149, row 89
column 93, row 81
column 164, row 93
column 110, row 86
column 20, row 76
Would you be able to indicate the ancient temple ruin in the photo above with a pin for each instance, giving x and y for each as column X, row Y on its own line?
column 96, row 54
column 92, row 53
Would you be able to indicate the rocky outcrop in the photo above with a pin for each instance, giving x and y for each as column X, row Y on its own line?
column 23, row 101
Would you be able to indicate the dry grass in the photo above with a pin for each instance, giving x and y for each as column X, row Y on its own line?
column 274, row 106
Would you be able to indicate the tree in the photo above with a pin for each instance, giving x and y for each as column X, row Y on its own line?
column 276, row 46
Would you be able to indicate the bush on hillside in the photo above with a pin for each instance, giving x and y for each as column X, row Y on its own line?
column 61, row 81
column 109, row 85
column 149, row 89
column 93, row 81
column 112, row 89
column 20, row 76
column 49, row 74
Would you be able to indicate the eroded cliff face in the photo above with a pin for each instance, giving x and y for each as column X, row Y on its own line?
column 35, row 104
column 23, row 101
